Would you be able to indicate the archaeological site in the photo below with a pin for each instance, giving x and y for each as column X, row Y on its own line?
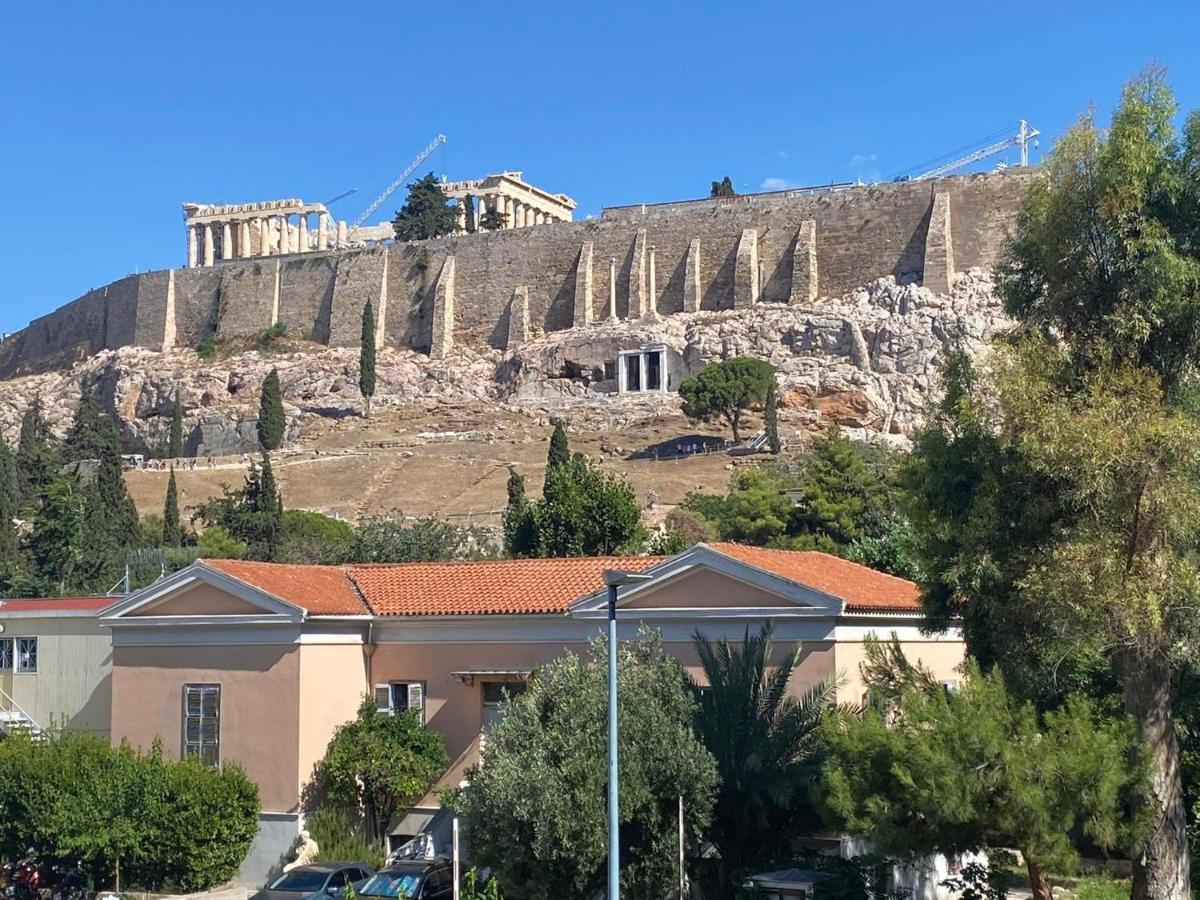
column 484, row 337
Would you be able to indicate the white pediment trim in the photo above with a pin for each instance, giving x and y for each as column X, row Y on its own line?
column 272, row 610
column 806, row 602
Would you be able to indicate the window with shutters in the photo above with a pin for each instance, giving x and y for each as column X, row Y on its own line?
column 202, row 723
column 397, row 697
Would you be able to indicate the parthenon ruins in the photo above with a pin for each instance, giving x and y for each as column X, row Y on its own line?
column 281, row 227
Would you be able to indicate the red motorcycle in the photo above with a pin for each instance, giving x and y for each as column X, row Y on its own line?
column 22, row 879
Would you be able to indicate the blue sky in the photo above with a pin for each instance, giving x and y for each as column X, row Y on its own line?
column 115, row 113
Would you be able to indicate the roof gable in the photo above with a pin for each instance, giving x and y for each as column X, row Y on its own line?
column 201, row 595
column 198, row 598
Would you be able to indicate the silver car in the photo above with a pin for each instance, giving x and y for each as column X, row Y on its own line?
column 319, row 881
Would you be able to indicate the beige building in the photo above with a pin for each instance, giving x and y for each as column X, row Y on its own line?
column 55, row 665
column 257, row 663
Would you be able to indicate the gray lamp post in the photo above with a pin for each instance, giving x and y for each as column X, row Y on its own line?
column 614, row 579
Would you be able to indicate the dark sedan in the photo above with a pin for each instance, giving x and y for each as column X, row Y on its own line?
column 416, row 879
column 318, row 881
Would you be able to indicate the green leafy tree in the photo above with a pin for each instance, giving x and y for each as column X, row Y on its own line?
column 175, row 438
column 771, row 418
column 667, row 542
column 765, row 742
column 35, row 462
column 585, row 511
column 56, row 539
column 380, row 763
column 1085, row 432
column 541, row 783
column 493, row 219
column 520, row 528
column 755, row 511
column 726, row 390
column 11, row 560
column 560, row 451
column 215, row 542
column 111, row 526
column 366, row 358
column 976, row 768
column 271, row 421
column 251, row 515
column 172, row 530
column 427, row 539
column 313, row 538
column 427, row 213
column 723, row 188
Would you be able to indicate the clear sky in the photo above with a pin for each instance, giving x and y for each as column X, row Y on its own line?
column 115, row 113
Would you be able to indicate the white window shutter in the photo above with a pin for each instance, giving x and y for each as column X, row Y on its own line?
column 383, row 698
column 416, row 699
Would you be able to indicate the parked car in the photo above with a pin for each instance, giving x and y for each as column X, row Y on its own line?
column 317, row 881
column 415, row 879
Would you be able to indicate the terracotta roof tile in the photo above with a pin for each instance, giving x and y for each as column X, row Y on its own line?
column 322, row 590
column 862, row 588
column 488, row 587
column 54, row 604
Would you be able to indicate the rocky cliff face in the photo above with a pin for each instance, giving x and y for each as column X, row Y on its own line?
column 867, row 360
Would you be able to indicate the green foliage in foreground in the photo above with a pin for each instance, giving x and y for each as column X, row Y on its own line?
column 934, row 770
column 127, row 818
column 341, row 835
column 541, row 785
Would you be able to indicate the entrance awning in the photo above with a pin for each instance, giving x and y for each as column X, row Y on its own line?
column 468, row 676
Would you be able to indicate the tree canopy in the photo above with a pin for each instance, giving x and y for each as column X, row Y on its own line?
column 251, row 514
column 723, row 188
column 952, row 771
column 726, row 390
column 366, row 357
column 271, row 421
column 427, row 213
column 540, row 784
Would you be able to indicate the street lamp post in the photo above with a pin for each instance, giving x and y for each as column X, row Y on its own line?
column 614, row 579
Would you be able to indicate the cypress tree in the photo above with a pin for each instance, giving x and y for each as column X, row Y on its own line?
column 10, row 555
column 87, row 436
column 271, row 421
column 35, row 458
column 268, row 509
column 366, row 358
column 520, row 533
column 771, row 418
column 172, row 531
column 175, row 440
column 111, row 521
column 469, row 214
column 560, row 451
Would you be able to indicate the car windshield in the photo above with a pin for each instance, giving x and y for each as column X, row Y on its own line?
column 300, row 880
column 395, row 884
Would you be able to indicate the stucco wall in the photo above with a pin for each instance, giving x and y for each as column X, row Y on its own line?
column 259, row 707
column 860, row 234
column 943, row 657
column 333, row 681
column 72, row 687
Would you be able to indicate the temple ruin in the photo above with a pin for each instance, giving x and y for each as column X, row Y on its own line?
column 522, row 204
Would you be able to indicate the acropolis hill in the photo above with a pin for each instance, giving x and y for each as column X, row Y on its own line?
column 484, row 338
column 495, row 289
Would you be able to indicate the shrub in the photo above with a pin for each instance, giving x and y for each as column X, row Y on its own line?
column 207, row 348
column 125, row 816
column 341, row 835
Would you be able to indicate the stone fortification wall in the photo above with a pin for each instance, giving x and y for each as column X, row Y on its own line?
column 491, row 289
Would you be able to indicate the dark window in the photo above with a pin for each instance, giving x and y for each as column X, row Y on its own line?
column 27, row 654
column 6, row 654
column 654, row 370
column 633, row 372
column 202, row 723
column 300, row 880
column 610, row 371
column 396, row 697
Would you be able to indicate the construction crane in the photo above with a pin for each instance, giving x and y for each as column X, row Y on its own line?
column 395, row 185
column 1025, row 134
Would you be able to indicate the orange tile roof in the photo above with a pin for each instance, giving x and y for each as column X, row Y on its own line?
column 322, row 590
column 19, row 605
column 502, row 587
column 861, row 587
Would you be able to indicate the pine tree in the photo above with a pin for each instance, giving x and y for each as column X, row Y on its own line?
column 56, row 540
column 560, row 451
column 172, row 530
column 771, row 418
column 366, row 358
column 175, row 441
column 10, row 552
column 426, row 213
column 111, row 521
column 492, row 219
column 271, row 421
column 35, row 462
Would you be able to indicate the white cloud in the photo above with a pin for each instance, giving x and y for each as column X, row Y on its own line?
column 778, row 184
column 864, row 167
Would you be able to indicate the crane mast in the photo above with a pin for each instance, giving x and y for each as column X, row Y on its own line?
column 395, row 185
column 1025, row 134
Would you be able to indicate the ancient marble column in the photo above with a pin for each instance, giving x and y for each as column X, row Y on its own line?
column 322, row 231
column 303, row 232
column 341, row 233
column 244, row 239
column 227, row 241
column 460, row 217
column 264, row 236
column 191, row 248
column 612, row 289
column 208, row 244
column 652, row 305
column 518, row 216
